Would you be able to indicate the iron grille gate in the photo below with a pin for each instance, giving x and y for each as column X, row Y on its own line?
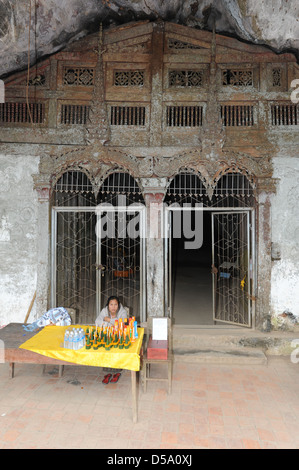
column 74, row 261
column 232, row 267
column 121, row 259
column 232, row 264
column 88, row 268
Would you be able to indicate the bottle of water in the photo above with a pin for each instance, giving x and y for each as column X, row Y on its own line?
column 76, row 340
column 82, row 338
column 66, row 339
column 71, row 340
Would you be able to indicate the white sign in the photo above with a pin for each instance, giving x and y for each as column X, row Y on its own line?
column 159, row 329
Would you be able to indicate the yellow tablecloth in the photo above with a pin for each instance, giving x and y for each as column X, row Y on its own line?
column 49, row 341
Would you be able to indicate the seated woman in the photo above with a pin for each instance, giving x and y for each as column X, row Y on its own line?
column 113, row 311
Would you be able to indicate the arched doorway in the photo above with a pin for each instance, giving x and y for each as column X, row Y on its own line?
column 119, row 226
column 211, row 259
column 74, row 245
column 86, row 266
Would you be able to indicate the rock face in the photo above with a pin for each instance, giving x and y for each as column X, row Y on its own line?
column 53, row 24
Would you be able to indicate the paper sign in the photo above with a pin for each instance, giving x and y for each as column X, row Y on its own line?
column 159, row 329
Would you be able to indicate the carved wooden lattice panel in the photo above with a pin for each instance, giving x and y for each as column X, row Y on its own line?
column 129, row 78
column 185, row 78
column 276, row 77
column 184, row 116
column 237, row 77
column 284, row 114
column 22, row 113
column 74, row 114
column 37, row 80
column 237, row 115
column 187, row 188
column 127, row 115
column 78, row 76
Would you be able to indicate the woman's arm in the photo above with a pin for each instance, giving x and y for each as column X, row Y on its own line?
column 101, row 317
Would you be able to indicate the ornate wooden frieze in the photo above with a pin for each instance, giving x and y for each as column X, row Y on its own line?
column 99, row 161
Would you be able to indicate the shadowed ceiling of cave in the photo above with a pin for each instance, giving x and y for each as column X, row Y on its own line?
column 56, row 23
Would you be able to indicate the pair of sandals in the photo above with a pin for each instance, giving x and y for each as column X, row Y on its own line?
column 108, row 378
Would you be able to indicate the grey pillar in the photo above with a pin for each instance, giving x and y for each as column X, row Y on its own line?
column 155, row 269
column 43, row 249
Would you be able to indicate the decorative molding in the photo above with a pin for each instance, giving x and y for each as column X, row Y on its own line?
column 98, row 161
column 97, row 129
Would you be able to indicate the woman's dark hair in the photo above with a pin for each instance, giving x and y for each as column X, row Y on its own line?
column 113, row 297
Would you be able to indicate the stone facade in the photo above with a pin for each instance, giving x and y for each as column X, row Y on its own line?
column 151, row 99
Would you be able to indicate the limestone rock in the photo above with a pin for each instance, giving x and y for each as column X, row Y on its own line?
column 54, row 24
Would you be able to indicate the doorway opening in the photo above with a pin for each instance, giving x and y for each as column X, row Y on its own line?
column 94, row 254
column 192, row 286
column 211, row 281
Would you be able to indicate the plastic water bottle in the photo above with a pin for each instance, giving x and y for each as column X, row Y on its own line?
column 66, row 339
column 135, row 330
column 77, row 340
column 82, row 338
column 71, row 340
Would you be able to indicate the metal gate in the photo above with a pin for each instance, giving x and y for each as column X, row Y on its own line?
column 232, row 267
column 121, row 258
column 86, row 266
column 93, row 258
column 75, row 254
column 231, row 204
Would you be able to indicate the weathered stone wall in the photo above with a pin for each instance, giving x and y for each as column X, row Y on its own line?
column 18, row 236
column 285, row 237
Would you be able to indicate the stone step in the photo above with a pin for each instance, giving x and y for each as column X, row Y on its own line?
column 273, row 343
column 220, row 355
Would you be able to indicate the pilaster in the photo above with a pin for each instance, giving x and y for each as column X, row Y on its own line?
column 43, row 245
column 154, row 191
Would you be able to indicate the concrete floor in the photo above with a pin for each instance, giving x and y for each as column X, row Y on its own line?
column 211, row 406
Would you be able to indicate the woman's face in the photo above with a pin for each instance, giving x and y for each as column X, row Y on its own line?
column 113, row 307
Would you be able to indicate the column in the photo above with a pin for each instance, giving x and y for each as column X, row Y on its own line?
column 157, row 90
column 155, row 269
column 43, row 248
column 264, row 265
